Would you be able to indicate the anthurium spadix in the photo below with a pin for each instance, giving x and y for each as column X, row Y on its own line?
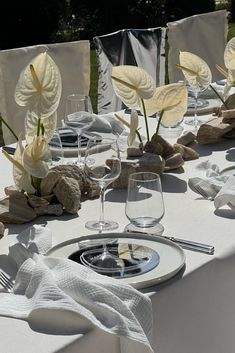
column 39, row 86
column 31, row 126
column 195, row 70
column 170, row 101
column 36, row 156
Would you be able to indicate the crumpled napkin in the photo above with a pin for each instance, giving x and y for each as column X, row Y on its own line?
column 106, row 123
column 220, row 188
column 64, row 297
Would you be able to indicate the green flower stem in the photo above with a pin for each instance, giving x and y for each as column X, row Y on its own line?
column 39, row 127
column 146, row 120
column 5, row 123
column 159, row 122
column 36, row 183
column 139, row 136
column 218, row 95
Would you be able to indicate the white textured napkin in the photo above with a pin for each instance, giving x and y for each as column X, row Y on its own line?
column 106, row 123
column 63, row 297
column 220, row 188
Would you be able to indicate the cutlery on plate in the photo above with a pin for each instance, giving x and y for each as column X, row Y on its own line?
column 186, row 244
column 6, row 282
column 8, row 149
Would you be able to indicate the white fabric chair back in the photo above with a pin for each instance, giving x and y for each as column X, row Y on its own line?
column 204, row 35
column 73, row 60
column 140, row 47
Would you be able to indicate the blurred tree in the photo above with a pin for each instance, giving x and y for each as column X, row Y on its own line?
column 27, row 22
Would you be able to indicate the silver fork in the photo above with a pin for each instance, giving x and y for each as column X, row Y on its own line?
column 6, row 282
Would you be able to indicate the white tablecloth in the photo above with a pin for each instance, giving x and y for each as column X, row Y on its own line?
column 194, row 311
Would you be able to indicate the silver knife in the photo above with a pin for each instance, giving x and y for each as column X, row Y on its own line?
column 186, row 244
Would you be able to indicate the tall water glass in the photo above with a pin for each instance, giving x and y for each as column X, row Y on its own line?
column 144, row 203
column 78, row 115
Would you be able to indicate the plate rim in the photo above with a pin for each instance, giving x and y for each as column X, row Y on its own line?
column 133, row 281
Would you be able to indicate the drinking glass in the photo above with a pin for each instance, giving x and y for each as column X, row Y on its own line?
column 195, row 89
column 144, row 203
column 78, row 115
column 55, row 150
column 102, row 165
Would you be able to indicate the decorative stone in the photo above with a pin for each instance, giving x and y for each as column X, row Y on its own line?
column 228, row 116
column 187, row 138
column 186, row 152
column 213, row 131
column 133, row 151
column 173, row 162
column 158, row 145
column 15, row 209
column 2, row 230
column 48, row 183
column 54, row 209
column 67, row 192
column 149, row 162
column 9, row 190
column 36, row 201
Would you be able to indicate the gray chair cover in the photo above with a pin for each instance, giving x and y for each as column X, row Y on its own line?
column 204, row 35
column 144, row 48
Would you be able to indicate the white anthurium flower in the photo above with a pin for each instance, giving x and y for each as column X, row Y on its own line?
column 131, row 84
column 39, row 86
column 195, row 70
column 229, row 54
column 171, row 100
column 133, row 127
column 35, row 157
column 31, row 126
column 21, row 177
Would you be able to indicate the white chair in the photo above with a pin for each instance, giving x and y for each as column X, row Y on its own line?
column 204, row 35
column 73, row 60
column 140, row 47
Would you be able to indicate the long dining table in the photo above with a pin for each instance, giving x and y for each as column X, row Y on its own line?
column 194, row 311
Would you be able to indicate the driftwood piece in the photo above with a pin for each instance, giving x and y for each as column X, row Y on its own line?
column 212, row 131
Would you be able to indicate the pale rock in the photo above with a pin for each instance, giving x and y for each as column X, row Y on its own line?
column 228, row 116
column 212, row 131
column 49, row 182
column 53, row 209
column 9, row 190
column 134, row 151
column 173, row 162
column 67, row 192
column 36, row 201
column 186, row 152
column 2, row 229
column 158, row 145
column 187, row 138
column 149, row 162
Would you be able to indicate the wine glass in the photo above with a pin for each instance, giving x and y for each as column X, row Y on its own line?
column 55, row 150
column 102, row 165
column 144, row 203
column 195, row 88
column 78, row 115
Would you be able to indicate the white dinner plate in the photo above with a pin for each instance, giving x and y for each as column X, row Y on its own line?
column 172, row 256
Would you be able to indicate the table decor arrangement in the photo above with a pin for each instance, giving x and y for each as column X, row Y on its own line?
column 197, row 72
column 38, row 189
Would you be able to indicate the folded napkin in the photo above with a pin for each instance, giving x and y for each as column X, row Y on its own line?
column 62, row 297
column 214, row 186
column 106, row 123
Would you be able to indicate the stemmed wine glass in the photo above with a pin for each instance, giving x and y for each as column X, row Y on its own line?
column 195, row 88
column 102, row 165
column 78, row 116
